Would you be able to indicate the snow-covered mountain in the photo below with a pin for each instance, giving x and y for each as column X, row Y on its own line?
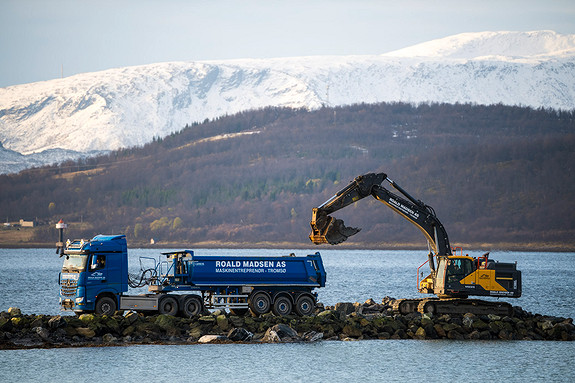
column 130, row 106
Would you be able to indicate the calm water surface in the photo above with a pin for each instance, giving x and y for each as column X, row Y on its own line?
column 29, row 280
column 327, row 361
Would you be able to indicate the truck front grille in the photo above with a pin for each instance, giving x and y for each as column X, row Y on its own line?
column 68, row 287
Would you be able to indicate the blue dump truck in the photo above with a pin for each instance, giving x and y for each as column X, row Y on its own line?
column 95, row 278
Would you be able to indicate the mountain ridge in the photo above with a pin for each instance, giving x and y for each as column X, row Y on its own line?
column 503, row 43
column 494, row 174
column 131, row 106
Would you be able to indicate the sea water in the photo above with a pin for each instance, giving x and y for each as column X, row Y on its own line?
column 29, row 280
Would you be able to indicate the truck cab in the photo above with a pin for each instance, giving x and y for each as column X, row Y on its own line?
column 94, row 273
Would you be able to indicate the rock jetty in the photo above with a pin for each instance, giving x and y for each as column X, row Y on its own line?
column 344, row 321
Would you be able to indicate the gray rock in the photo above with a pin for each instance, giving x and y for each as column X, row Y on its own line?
column 281, row 333
column 42, row 332
column 468, row 320
column 327, row 313
column 166, row 322
column 271, row 337
column 493, row 317
column 240, row 335
column 345, row 307
column 131, row 317
column 109, row 338
column 312, row 336
column 86, row 332
column 223, row 322
column 207, row 319
column 211, row 338
column 57, row 322
column 546, row 325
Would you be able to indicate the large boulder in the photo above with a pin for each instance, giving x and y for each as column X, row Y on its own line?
column 281, row 333
column 207, row 319
column 131, row 317
column 344, row 308
column 240, row 335
column 5, row 324
column 88, row 318
column 57, row 322
column 352, row 330
column 222, row 322
column 14, row 312
column 212, row 338
column 169, row 324
column 109, row 338
column 42, row 333
column 312, row 336
column 420, row 333
column 86, row 332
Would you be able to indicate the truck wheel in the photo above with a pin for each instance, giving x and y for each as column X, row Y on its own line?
column 305, row 305
column 282, row 306
column 105, row 306
column 168, row 306
column 260, row 303
column 192, row 306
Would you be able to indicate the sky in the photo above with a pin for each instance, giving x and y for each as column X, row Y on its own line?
column 46, row 39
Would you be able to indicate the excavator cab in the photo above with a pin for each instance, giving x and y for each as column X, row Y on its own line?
column 462, row 275
column 458, row 268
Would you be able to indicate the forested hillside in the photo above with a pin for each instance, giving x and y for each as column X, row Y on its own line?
column 496, row 175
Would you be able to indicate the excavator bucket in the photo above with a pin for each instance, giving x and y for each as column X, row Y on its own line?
column 330, row 230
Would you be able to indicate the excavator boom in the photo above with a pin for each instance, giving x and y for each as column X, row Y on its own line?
column 327, row 229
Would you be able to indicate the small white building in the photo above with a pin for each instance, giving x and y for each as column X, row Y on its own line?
column 27, row 223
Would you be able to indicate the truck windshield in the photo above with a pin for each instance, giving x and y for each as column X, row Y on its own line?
column 74, row 263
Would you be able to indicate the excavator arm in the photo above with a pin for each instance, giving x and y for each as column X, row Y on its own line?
column 326, row 229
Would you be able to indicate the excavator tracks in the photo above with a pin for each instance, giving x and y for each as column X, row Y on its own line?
column 438, row 306
column 405, row 306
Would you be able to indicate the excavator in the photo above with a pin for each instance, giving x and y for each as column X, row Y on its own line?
column 453, row 277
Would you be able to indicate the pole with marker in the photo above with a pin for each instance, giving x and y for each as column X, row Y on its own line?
column 60, row 244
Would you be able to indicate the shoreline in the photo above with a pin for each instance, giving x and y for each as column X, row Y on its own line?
column 492, row 247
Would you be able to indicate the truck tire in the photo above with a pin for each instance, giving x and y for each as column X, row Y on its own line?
column 305, row 305
column 282, row 306
column 168, row 305
column 105, row 306
column 260, row 303
column 192, row 306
